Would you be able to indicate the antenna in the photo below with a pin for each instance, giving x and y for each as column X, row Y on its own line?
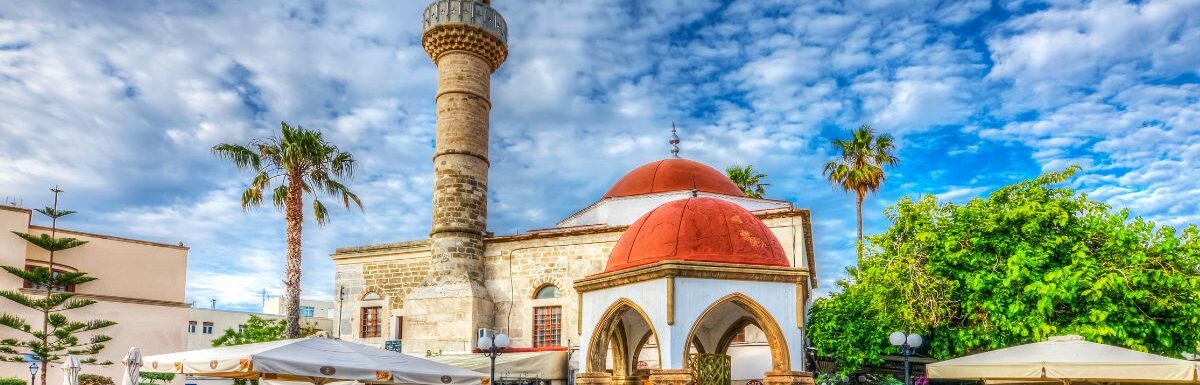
column 695, row 190
column 214, row 304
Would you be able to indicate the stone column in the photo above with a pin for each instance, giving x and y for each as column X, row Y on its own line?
column 672, row 377
column 467, row 41
column 788, row 377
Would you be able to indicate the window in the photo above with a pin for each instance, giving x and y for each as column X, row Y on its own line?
column 191, row 326
column 31, row 285
column 307, row 311
column 208, row 328
column 547, row 326
column 241, row 328
column 370, row 322
column 548, row 291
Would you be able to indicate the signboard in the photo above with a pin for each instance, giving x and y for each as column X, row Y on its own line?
column 393, row 345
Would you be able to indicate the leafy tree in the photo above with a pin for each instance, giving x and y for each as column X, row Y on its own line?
column 748, row 179
column 859, row 168
column 1030, row 261
column 58, row 334
column 297, row 162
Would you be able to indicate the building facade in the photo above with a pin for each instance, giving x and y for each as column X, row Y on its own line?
column 309, row 308
column 205, row 325
column 139, row 285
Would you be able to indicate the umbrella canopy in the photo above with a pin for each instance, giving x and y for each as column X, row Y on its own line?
column 70, row 368
column 1065, row 359
column 313, row 360
column 133, row 365
column 550, row 365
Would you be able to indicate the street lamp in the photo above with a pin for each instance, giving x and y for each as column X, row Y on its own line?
column 491, row 347
column 33, row 369
column 908, row 343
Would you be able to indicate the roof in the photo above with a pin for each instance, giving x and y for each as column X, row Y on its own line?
column 698, row 229
column 673, row 174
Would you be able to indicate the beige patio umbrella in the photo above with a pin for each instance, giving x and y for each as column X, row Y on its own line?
column 312, row 360
column 1065, row 359
column 133, row 366
column 70, row 370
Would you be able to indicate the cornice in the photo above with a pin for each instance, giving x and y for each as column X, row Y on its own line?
column 110, row 237
column 111, row 298
column 705, row 270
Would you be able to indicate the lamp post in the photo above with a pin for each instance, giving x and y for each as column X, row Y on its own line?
column 491, row 347
column 908, row 343
column 33, row 369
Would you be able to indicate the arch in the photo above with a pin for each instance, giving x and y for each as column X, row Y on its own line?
column 370, row 295
column 610, row 331
column 759, row 316
column 540, row 282
column 547, row 291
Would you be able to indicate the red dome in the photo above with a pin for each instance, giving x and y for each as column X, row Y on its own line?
column 673, row 174
column 700, row 230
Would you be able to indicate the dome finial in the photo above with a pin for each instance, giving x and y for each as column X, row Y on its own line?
column 674, row 141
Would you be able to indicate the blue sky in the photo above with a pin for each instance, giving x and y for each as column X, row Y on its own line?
column 119, row 103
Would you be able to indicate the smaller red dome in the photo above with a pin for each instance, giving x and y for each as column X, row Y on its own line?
column 673, row 174
column 699, row 230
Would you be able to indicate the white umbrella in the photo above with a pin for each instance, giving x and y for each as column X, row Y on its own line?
column 133, row 366
column 1065, row 359
column 70, row 370
column 313, row 360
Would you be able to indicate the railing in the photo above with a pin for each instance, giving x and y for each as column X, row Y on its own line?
column 469, row 12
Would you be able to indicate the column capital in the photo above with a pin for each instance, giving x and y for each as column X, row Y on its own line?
column 672, row 377
column 788, row 377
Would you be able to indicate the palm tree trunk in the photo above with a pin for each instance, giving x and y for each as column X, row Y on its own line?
column 294, row 211
column 859, row 246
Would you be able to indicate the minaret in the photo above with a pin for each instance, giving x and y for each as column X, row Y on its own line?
column 467, row 40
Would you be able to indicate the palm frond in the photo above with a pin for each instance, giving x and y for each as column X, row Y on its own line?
column 320, row 213
column 279, row 196
column 241, row 156
column 52, row 213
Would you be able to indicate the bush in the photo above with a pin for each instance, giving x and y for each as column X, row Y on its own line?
column 92, row 379
column 11, row 381
column 156, row 378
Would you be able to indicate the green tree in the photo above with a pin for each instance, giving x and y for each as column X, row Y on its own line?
column 859, row 167
column 58, row 335
column 298, row 161
column 748, row 179
column 1030, row 261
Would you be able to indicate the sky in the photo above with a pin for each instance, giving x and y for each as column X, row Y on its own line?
column 119, row 103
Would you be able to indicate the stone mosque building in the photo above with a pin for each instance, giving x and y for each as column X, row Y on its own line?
column 674, row 262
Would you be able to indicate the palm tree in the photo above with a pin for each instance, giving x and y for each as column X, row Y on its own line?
column 748, row 179
column 298, row 162
column 860, row 167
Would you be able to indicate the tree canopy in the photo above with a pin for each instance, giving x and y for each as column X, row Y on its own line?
column 1030, row 261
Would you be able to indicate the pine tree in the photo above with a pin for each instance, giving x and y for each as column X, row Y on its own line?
column 58, row 334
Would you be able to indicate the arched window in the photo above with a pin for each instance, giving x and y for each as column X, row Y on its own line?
column 371, row 296
column 547, row 291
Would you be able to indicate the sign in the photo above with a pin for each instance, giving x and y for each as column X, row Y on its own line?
column 393, row 345
column 754, row 382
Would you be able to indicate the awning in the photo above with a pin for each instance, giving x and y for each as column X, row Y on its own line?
column 1065, row 359
column 550, row 365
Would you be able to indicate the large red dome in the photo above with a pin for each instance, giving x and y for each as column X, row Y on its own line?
column 673, row 174
column 699, row 230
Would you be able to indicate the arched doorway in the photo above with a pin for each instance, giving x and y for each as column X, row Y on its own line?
column 620, row 337
column 717, row 326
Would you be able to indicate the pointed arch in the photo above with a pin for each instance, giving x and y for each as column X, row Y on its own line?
column 610, row 330
column 758, row 316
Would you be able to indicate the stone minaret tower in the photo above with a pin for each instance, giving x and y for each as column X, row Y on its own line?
column 467, row 40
